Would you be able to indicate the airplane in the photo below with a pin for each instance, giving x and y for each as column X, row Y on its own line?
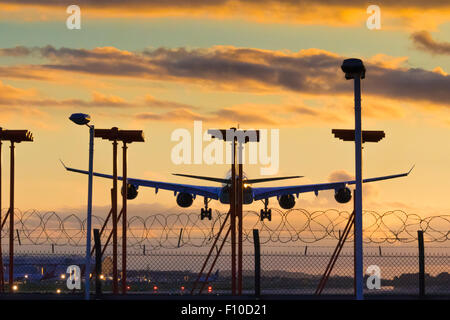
column 211, row 278
column 36, row 269
column 185, row 193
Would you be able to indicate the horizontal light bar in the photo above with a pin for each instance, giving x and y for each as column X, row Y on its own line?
column 242, row 136
column 16, row 135
column 115, row 134
column 367, row 135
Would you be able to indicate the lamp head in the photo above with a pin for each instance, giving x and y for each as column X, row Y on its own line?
column 353, row 68
column 80, row 118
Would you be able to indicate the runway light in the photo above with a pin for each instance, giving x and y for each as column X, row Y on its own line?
column 15, row 288
column 63, row 276
column 58, row 291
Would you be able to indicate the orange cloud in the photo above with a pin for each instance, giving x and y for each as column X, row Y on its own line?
column 427, row 14
column 423, row 41
column 312, row 71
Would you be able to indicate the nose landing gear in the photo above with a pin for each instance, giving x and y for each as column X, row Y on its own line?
column 266, row 213
column 205, row 212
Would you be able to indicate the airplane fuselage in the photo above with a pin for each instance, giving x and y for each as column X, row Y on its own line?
column 224, row 196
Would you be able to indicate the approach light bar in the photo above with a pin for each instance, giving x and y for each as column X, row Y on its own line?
column 236, row 134
column 16, row 135
column 367, row 135
column 127, row 136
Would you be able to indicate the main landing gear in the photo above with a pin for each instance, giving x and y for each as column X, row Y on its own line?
column 205, row 212
column 266, row 213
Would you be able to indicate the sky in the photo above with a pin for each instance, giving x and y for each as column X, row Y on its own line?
column 158, row 66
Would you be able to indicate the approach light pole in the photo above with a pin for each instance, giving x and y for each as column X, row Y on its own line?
column 84, row 119
column 354, row 69
column 13, row 136
column 126, row 136
column 239, row 137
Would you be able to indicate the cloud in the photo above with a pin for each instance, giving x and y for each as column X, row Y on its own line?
column 179, row 115
column 249, row 114
column 309, row 12
column 15, row 97
column 310, row 71
column 423, row 41
column 166, row 104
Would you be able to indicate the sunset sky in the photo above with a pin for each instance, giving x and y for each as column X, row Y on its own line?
column 267, row 64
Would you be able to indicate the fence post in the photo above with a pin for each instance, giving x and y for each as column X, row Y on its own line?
column 257, row 262
column 98, row 262
column 421, row 264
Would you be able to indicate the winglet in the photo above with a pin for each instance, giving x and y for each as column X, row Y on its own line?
column 63, row 164
column 411, row 169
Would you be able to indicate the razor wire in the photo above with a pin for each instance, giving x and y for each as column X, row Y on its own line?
column 173, row 230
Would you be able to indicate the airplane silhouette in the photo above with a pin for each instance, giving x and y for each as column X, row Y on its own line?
column 185, row 193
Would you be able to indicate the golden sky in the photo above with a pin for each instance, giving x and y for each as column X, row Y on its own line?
column 159, row 66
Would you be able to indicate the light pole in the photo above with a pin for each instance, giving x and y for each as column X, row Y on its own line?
column 13, row 136
column 354, row 69
column 84, row 119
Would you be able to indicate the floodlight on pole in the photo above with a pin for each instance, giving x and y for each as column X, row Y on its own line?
column 80, row 118
column 354, row 69
column 84, row 119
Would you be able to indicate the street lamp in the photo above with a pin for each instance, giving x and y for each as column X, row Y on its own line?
column 354, row 69
column 84, row 119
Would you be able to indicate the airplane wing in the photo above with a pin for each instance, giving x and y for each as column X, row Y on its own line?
column 267, row 192
column 205, row 191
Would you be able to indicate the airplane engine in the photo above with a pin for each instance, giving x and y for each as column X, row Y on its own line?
column 343, row 195
column 131, row 191
column 287, row 201
column 184, row 200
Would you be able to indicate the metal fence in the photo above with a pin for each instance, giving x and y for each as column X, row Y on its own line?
column 174, row 272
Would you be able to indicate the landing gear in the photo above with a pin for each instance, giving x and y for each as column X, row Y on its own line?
column 205, row 212
column 266, row 213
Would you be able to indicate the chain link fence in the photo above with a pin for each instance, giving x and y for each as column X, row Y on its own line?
column 282, row 272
